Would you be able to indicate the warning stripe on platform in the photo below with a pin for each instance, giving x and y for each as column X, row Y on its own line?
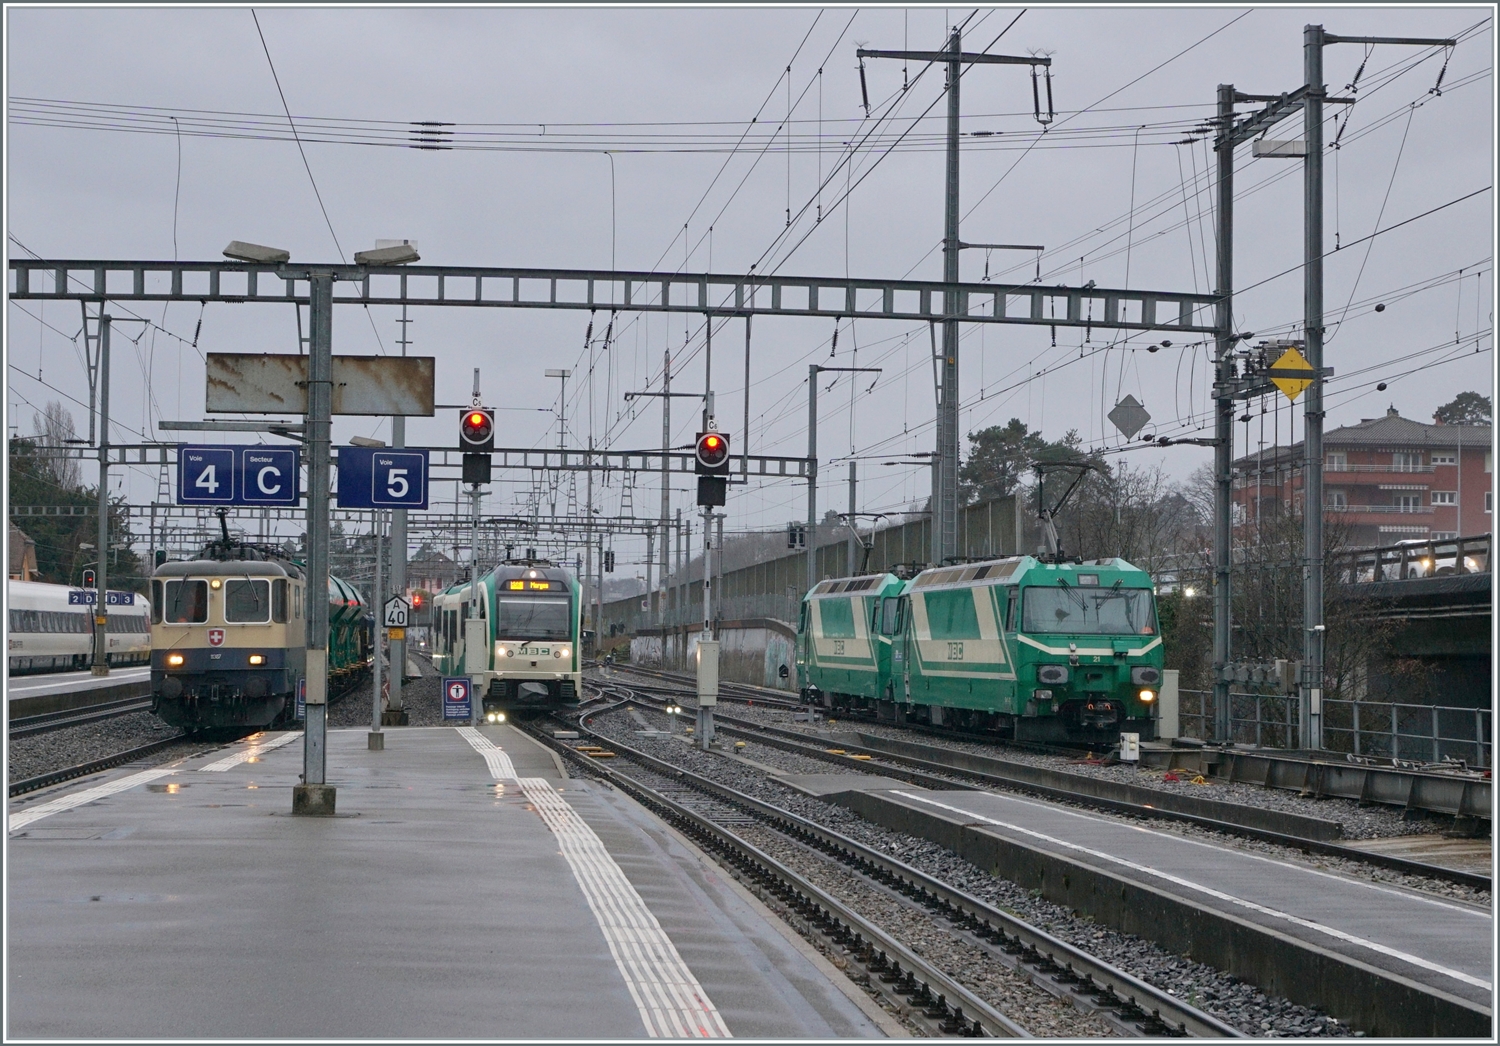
column 22, row 818
column 671, row 1002
column 250, row 751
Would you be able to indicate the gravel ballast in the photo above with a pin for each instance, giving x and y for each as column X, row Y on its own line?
column 1231, row 1000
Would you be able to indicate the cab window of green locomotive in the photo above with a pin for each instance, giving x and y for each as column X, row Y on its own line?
column 185, row 602
column 890, row 622
column 278, row 601
column 1012, row 622
column 802, row 619
column 247, row 601
column 1103, row 611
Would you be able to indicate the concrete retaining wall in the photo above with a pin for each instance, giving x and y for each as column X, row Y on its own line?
column 750, row 651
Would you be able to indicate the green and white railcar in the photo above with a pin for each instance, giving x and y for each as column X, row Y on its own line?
column 842, row 647
column 530, row 658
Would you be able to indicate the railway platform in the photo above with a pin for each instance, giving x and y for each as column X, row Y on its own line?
column 466, row 889
column 1409, row 963
column 29, row 695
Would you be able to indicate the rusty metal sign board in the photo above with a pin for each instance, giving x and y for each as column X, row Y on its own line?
column 276, row 383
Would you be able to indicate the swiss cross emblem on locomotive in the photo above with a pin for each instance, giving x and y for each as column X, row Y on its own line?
column 215, row 637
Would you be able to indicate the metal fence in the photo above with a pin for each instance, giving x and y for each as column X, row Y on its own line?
column 1422, row 733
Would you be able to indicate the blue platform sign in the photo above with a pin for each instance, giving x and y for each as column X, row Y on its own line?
column 457, row 704
column 205, row 475
column 376, row 477
column 270, row 475
column 82, row 597
column 119, row 599
column 256, row 476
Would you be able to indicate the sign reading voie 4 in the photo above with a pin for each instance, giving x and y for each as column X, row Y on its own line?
column 221, row 475
column 376, row 477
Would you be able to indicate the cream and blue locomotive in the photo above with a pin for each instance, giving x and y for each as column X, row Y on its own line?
column 229, row 638
column 517, row 638
column 1021, row 647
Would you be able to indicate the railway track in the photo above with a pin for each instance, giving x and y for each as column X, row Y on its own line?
column 933, row 774
column 37, row 724
column 718, row 816
column 93, row 766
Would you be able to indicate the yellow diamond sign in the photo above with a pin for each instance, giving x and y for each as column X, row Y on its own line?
column 1292, row 374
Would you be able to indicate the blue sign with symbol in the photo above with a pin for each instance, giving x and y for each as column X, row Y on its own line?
column 302, row 699
column 374, row 477
column 269, row 475
column 238, row 475
column 457, row 703
column 205, row 475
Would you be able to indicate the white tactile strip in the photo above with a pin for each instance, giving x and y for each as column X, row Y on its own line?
column 22, row 818
column 251, row 750
column 671, row 1002
column 1274, row 913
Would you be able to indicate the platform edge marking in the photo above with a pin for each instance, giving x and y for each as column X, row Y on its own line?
column 21, row 818
column 671, row 1002
column 255, row 748
column 1274, row 913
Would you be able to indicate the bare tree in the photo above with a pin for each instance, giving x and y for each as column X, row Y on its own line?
column 54, row 428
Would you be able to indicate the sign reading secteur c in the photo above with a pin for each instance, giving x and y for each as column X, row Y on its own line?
column 238, row 475
column 457, row 703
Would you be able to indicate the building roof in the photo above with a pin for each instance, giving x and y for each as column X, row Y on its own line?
column 1393, row 430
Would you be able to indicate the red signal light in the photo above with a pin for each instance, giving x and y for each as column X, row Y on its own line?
column 712, row 452
column 477, row 429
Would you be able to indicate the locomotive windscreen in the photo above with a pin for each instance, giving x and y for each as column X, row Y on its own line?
column 185, row 602
column 1094, row 611
column 247, row 600
column 534, row 619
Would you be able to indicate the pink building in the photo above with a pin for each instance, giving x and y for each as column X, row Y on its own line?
column 1387, row 479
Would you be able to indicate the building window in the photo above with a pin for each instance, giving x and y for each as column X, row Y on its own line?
column 1489, row 500
column 1408, row 502
column 1443, row 535
column 1445, row 497
column 1337, row 499
column 1336, row 461
column 1489, row 461
column 1406, row 461
column 1444, row 459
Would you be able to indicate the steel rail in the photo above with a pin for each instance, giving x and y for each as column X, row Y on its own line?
column 1150, row 1010
column 31, row 784
column 935, row 999
column 27, row 725
column 918, row 771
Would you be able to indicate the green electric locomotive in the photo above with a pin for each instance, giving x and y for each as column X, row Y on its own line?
column 1020, row 647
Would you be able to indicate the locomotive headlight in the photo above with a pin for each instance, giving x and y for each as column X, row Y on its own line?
column 502, row 651
column 1147, row 696
column 489, row 717
column 215, row 584
column 499, row 717
column 174, row 660
column 257, row 659
column 561, row 651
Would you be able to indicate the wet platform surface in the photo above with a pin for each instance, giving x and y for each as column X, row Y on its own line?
column 186, row 902
column 1434, row 941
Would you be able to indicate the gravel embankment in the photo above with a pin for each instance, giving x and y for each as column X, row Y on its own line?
column 68, row 746
column 1231, row 1000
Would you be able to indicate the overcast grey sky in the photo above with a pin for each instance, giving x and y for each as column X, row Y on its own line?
column 553, row 101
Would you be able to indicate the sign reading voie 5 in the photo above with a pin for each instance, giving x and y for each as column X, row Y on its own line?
column 376, row 477
column 220, row 475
